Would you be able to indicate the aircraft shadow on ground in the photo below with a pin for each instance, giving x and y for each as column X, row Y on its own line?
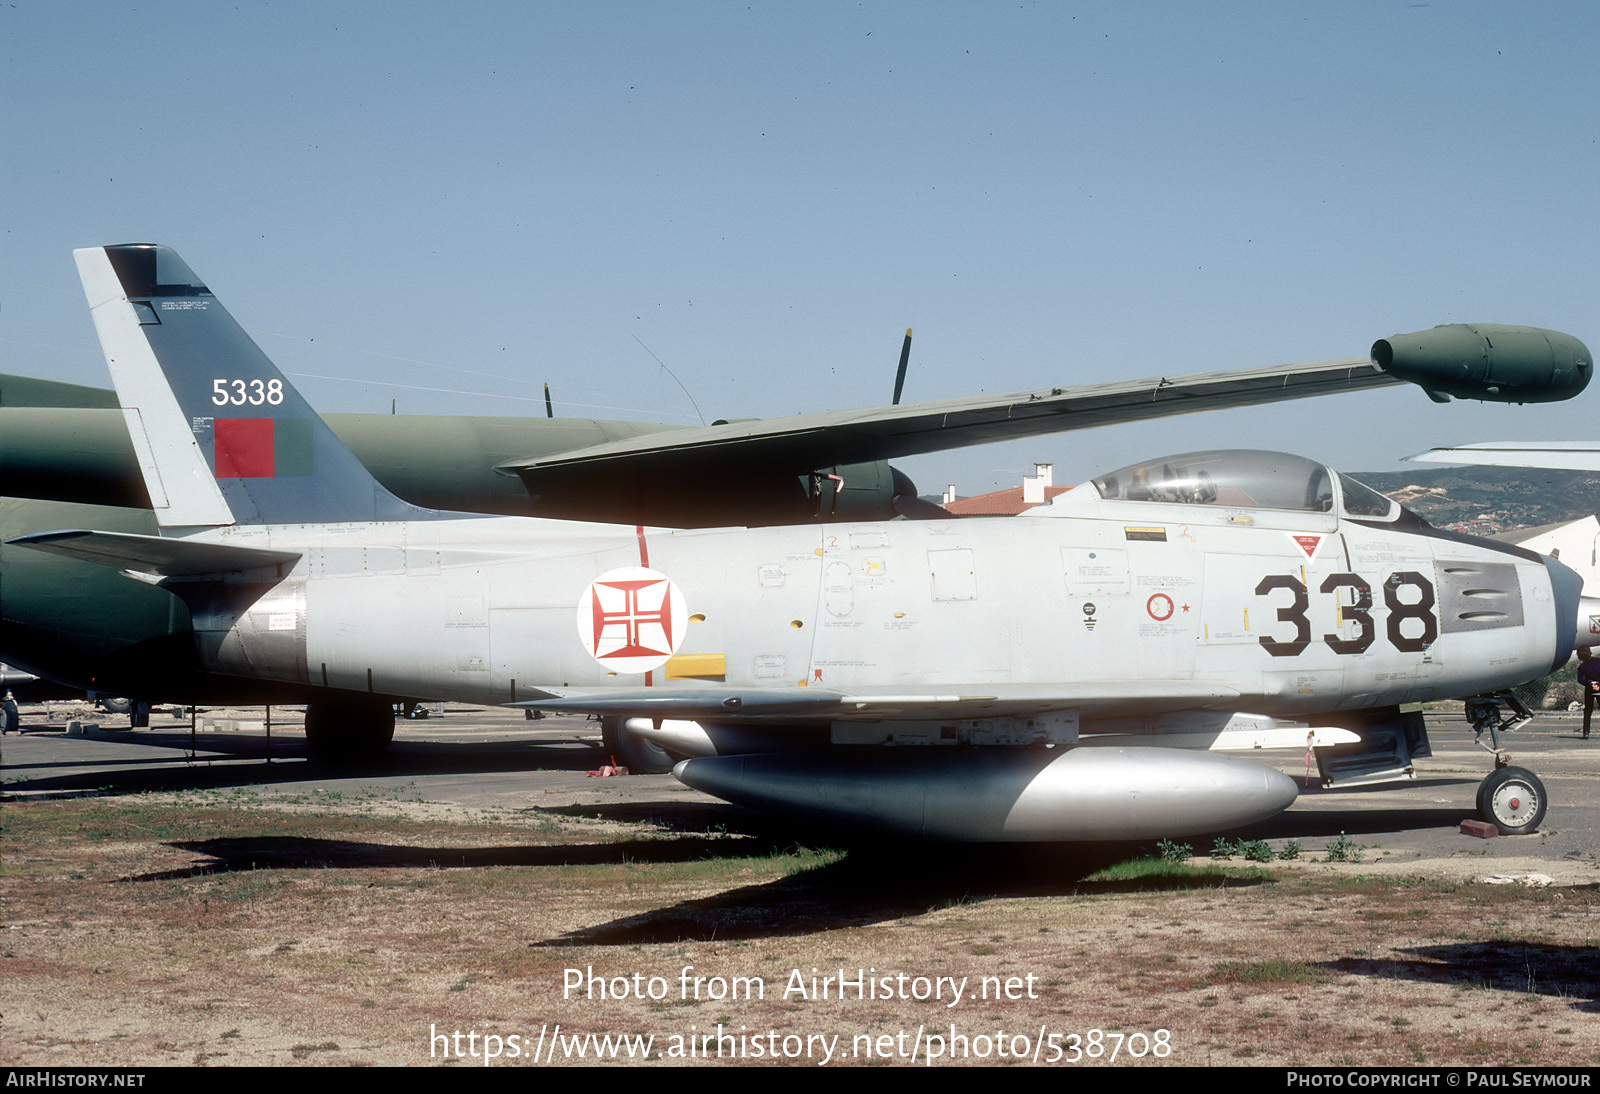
column 1563, row 972
column 874, row 881
column 877, row 883
column 694, row 815
column 1352, row 822
column 227, row 763
column 1290, row 825
column 249, row 853
column 870, row 883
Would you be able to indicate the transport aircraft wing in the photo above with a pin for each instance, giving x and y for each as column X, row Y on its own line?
column 1495, row 362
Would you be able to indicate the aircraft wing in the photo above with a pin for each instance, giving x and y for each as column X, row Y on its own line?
column 1489, row 361
column 807, row 442
column 1555, row 455
column 986, row 701
column 64, row 442
column 54, row 444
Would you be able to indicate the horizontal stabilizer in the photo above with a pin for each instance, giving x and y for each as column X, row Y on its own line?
column 155, row 555
column 28, row 391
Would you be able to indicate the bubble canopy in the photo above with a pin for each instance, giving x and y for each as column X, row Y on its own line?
column 1245, row 479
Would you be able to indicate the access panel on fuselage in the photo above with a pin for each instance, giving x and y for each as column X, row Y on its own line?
column 1134, row 595
column 918, row 603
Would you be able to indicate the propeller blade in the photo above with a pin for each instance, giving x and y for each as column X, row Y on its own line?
column 900, row 376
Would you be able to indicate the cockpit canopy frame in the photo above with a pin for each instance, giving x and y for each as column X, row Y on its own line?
column 1239, row 478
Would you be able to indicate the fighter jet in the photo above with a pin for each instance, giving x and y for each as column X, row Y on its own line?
column 1022, row 667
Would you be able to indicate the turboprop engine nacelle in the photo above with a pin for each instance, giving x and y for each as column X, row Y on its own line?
column 1490, row 361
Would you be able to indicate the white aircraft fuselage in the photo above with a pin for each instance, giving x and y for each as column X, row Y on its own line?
column 1084, row 603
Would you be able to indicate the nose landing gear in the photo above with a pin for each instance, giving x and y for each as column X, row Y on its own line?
column 1513, row 800
column 1510, row 798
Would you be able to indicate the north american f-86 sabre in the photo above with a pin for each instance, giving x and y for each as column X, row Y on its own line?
column 1072, row 674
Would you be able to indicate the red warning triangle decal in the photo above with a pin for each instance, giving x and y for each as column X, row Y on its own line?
column 1308, row 544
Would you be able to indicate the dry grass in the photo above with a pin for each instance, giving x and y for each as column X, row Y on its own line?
column 216, row 930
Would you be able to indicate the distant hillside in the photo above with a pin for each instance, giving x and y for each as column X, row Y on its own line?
column 1485, row 500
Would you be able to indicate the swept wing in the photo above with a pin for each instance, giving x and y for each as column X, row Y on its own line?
column 874, row 704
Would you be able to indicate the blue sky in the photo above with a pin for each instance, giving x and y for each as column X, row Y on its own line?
column 447, row 205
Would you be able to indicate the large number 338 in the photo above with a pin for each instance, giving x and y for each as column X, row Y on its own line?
column 1358, row 612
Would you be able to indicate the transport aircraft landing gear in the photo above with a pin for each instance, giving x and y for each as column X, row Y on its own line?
column 639, row 756
column 349, row 728
column 1511, row 798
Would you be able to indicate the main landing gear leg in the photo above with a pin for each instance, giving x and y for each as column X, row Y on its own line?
column 1511, row 798
column 639, row 756
column 346, row 728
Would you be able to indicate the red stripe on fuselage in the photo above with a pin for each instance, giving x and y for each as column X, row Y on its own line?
column 644, row 560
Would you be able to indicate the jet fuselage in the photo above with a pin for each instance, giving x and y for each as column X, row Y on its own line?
column 1094, row 602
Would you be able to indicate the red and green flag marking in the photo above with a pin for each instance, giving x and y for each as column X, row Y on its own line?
column 261, row 448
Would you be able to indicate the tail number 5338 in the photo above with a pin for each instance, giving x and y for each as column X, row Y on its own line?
column 1412, row 624
column 246, row 392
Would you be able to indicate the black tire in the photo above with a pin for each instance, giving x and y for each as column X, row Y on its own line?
column 1513, row 800
column 349, row 730
column 633, row 752
column 116, row 705
column 10, row 718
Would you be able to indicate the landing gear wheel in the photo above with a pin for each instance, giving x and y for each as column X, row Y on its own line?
column 348, row 730
column 1513, row 800
column 639, row 756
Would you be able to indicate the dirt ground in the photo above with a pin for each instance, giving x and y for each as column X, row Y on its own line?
column 231, row 927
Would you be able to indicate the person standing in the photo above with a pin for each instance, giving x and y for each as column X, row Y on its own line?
column 1589, row 679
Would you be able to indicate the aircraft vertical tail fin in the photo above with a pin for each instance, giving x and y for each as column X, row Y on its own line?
column 221, row 435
